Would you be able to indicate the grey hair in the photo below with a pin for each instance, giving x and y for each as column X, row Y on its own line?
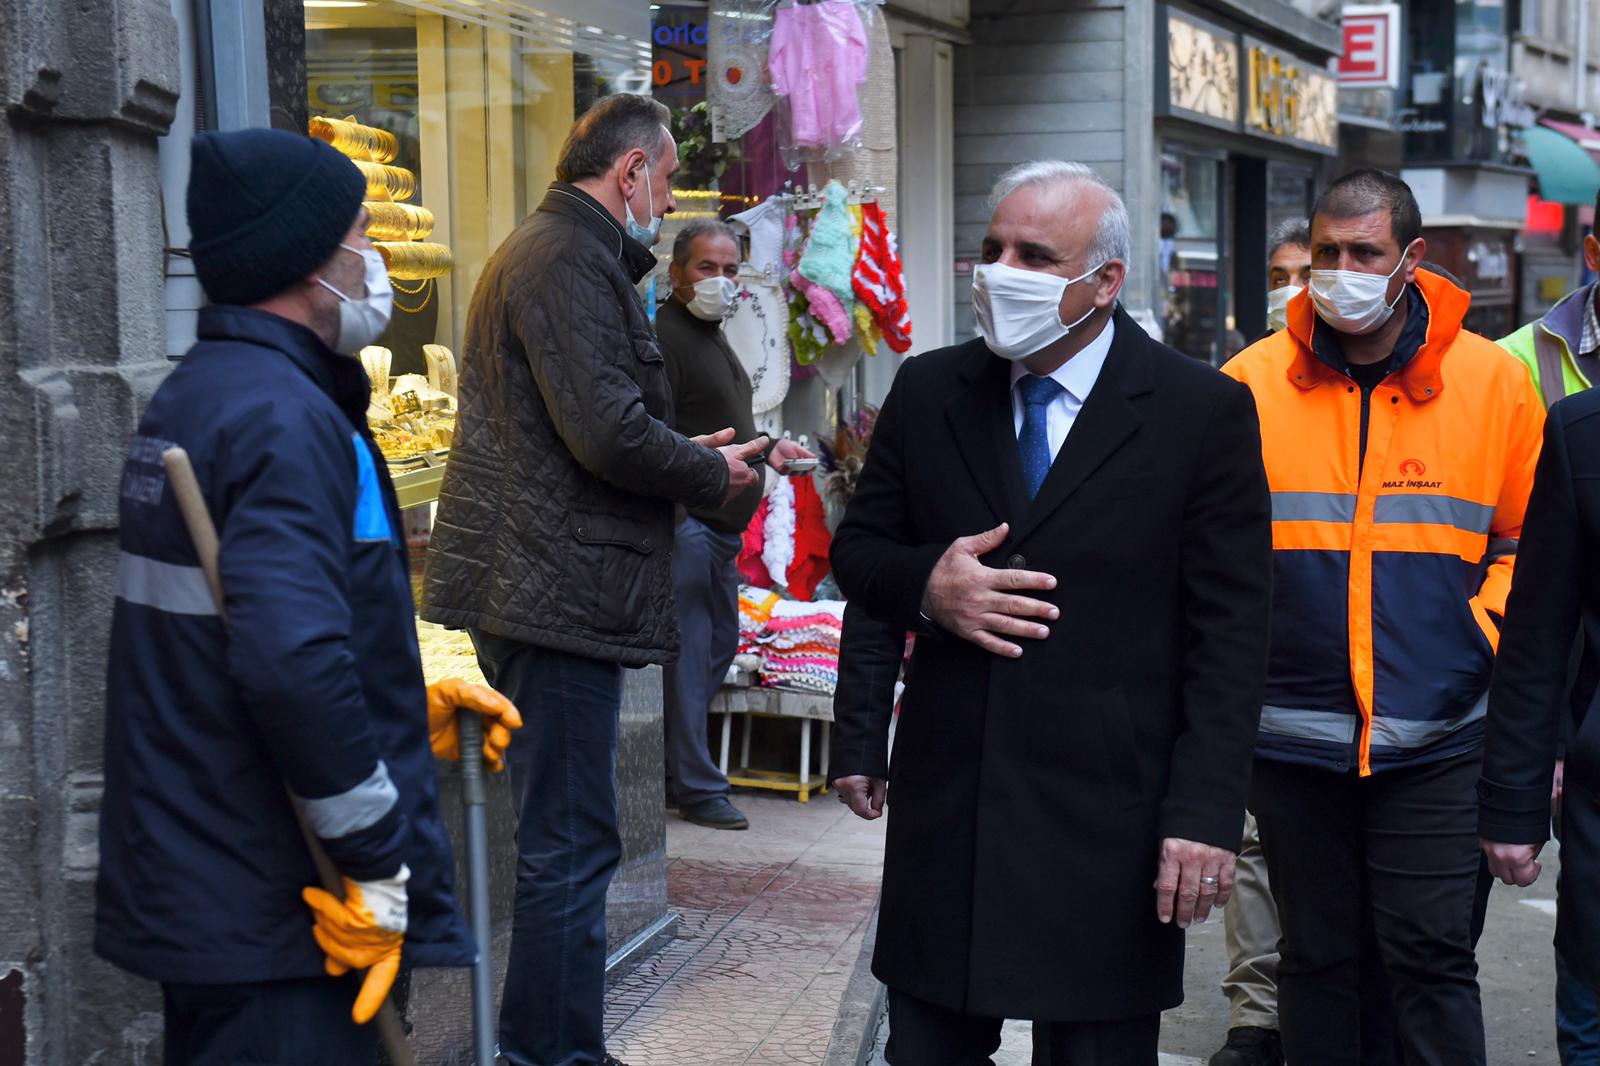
column 1112, row 240
column 1289, row 231
column 683, row 244
column 614, row 126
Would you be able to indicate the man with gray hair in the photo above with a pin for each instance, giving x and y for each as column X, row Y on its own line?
column 1288, row 268
column 551, row 546
column 710, row 390
column 1074, row 518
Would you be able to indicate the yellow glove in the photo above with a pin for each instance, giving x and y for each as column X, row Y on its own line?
column 362, row 932
column 500, row 715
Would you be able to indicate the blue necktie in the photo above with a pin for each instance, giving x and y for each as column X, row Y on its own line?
column 1037, row 393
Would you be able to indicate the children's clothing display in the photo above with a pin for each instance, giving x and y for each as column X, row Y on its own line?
column 879, row 281
column 830, row 252
column 801, row 648
column 818, row 56
column 808, row 558
column 764, row 222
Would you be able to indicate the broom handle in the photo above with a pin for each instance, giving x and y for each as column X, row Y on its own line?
column 197, row 517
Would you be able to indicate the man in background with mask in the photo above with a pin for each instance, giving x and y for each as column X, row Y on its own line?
column 314, row 683
column 1074, row 518
column 710, row 390
column 1288, row 268
column 1400, row 449
column 553, row 543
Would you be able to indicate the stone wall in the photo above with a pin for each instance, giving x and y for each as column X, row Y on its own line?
column 86, row 88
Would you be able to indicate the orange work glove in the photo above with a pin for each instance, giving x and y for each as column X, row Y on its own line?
column 364, row 931
column 500, row 715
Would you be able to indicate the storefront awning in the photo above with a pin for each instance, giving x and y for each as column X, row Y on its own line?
column 1588, row 139
column 1567, row 173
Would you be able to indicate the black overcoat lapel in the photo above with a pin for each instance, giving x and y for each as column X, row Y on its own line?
column 981, row 419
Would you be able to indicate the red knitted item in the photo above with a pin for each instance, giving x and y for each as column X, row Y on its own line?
column 811, row 541
column 879, row 279
column 755, row 538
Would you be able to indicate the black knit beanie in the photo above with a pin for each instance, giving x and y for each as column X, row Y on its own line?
column 266, row 208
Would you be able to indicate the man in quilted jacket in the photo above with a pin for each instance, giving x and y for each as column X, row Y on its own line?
column 553, row 542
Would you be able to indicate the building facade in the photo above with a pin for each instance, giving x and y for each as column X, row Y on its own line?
column 86, row 90
column 1214, row 121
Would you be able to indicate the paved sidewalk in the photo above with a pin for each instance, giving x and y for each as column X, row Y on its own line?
column 772, row 922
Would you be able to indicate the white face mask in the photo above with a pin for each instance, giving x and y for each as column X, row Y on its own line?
column 645, row 235
column 1019, row 311
column 713, row 298
column 1278, row 305
column 1353, row 302
column 363, row 320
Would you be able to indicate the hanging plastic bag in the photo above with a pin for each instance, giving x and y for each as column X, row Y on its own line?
column 818, row 60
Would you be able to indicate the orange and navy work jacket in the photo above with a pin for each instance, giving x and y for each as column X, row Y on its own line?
column 1391, row 568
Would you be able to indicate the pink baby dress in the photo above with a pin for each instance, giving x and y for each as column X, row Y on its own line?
column 818, row 56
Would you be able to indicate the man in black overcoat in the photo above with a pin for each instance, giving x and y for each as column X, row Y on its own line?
column 1075, row 520
column 1537, row 699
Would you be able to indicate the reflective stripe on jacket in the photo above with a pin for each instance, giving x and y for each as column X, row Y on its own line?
column 1551, row 344
column 1391, row 568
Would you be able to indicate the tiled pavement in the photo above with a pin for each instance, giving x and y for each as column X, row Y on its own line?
column 772, row 922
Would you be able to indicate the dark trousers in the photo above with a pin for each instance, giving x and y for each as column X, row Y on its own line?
column 563, row 782
column 705, row 588
column 1403, row 843
column 272, row 1023
column 1577, row 1021
column 922, row 1034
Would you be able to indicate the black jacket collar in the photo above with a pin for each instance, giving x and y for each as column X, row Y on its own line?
column 569, row 201
column 340, row 376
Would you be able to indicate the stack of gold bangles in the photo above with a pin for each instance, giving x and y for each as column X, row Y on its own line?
column 414, row 261
column 397, row 222
column 355, row 140
column 386, row 182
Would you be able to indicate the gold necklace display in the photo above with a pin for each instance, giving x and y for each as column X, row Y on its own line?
column 427, row 286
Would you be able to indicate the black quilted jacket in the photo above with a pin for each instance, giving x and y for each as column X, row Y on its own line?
column 555, row 517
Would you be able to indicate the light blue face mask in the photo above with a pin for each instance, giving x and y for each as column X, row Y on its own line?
column 645, row 235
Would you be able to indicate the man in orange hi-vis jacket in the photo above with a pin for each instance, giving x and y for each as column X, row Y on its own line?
column 1400, row 451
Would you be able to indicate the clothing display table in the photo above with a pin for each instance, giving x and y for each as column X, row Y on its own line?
column 753, row 702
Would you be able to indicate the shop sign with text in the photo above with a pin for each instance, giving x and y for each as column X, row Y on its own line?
column 1222, row 78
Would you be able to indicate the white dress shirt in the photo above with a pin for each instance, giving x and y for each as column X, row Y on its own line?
column 1076, row 377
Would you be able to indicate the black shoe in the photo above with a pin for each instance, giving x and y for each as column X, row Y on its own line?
column 1249, row 1045
column 714, row 813
column 609, row 1060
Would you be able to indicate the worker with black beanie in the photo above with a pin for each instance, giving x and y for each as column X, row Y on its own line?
column 303, row 687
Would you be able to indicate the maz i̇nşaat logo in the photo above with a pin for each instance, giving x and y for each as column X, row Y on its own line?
column 1412, row 472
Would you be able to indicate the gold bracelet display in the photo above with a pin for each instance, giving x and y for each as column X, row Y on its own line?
column 387, row 183
column 397, row 222
column 355, row 140
column 415, row 261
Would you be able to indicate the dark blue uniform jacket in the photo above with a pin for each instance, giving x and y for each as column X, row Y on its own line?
column 314, row 683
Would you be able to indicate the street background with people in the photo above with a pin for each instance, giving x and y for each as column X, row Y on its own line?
column 1093, row 497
